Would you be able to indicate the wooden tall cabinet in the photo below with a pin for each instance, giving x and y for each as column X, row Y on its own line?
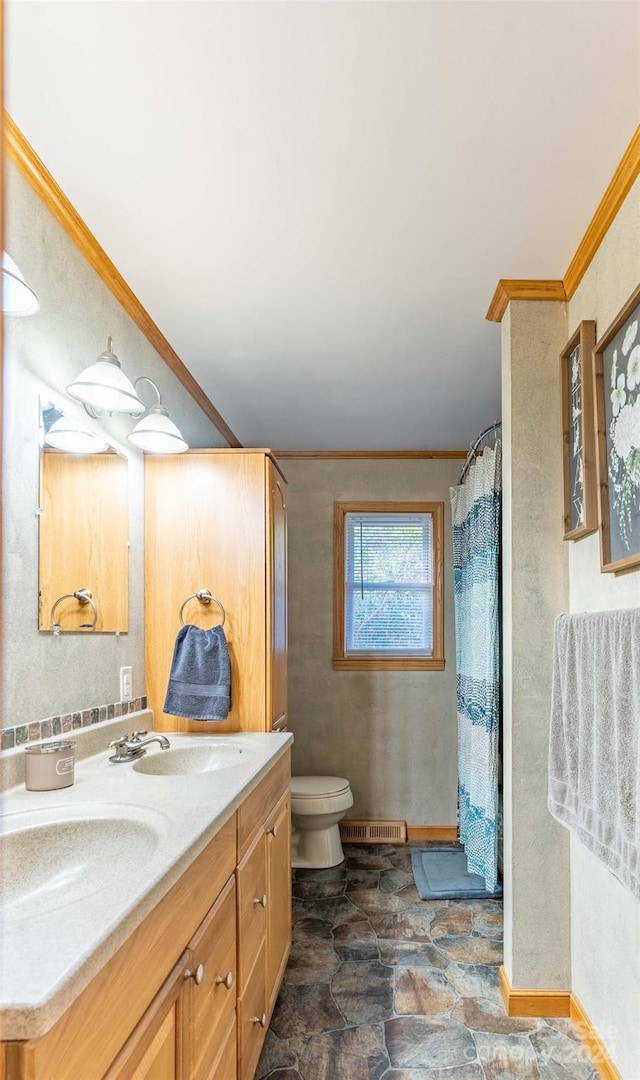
column 216, row 520
column 277, row 590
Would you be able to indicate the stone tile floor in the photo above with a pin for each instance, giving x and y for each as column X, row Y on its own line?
column 383, row 984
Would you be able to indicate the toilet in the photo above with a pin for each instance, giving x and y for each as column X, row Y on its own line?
column 317, row 804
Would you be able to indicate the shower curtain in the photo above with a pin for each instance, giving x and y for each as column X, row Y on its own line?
column 475, row 507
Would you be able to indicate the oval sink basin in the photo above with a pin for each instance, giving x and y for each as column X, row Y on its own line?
column 193, row 759
column 47, row 864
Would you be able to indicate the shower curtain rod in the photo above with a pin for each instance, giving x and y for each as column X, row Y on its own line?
column 474, row 446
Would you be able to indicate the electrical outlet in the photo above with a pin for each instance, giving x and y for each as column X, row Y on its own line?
column 126, row 684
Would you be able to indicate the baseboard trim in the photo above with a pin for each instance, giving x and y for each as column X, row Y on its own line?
column 533, row 1002
column 432, row 832
column 558, row 1003
column 593, row 1043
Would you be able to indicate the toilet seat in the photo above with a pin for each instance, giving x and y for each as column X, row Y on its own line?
column 318, row 787
column 316, row 796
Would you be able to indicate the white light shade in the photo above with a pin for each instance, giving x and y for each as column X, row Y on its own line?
column 156, row 433
column 105, row 386
column 17, row 297
column 65, row 435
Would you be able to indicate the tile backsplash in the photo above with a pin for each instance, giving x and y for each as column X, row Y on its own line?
column 53, row 726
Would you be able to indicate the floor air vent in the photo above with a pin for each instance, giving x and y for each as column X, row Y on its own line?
column 373, row 832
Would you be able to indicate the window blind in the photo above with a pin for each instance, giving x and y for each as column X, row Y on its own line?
column 389, row 584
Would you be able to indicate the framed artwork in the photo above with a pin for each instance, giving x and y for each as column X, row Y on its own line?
column 580, row 500
column 617, row 391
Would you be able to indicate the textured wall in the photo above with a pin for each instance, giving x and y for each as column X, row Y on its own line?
column 536, row 848
column 45, row 675
column 391, row 733
column 605, row 918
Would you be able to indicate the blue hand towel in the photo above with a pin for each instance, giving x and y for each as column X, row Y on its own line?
column 200, row 678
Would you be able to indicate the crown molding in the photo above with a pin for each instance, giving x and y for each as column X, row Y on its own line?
column 619, row 187
column 512, row 289
column 371, row 455
column 24, row 157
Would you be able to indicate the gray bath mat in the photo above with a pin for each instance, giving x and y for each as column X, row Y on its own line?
column 441, row 874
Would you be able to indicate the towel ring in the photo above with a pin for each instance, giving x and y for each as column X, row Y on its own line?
column 205, row 597
column 83, row 596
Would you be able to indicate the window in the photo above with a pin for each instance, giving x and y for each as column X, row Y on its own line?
column 388, row 586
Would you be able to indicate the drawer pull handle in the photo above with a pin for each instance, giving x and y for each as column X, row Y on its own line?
column 197, row 975
column 273, row 831
column 262, row 1020
column 262, row 900
column 225, row 980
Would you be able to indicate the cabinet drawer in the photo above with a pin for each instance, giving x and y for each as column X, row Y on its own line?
column 252, row 908
column 211, row 1001
column 252, row 1019
column 261, row 801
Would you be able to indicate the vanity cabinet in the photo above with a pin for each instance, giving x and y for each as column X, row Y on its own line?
column 278, row 845
column 188, row 1030
column 216, row 520
column 264, row 914
column 153, row 1050
column 206, row 1018
column 210, row 991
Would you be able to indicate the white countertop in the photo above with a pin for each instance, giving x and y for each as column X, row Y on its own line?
column 49, row 954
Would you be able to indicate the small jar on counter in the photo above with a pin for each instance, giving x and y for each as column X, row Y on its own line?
column 49, row 766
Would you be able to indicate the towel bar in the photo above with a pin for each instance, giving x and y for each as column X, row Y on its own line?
column 83, row 596
column 205, row 597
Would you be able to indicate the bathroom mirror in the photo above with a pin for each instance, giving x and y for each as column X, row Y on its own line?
column 84, row 527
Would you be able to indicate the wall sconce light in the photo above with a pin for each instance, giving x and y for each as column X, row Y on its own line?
column 156, row 433
column 66, row 435
column 104, row 387
column 17, row 297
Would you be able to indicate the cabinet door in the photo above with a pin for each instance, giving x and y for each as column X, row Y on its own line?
column 217, row 500
column 210, row 985
column 278, row 833
column 253, row 904
column 226, row 1065
column 252, row 1018
column 277, row 606
column 154, row 1048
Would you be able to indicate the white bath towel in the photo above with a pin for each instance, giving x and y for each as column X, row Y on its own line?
column 594, row 748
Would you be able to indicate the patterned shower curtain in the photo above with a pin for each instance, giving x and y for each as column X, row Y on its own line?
column 475, row 507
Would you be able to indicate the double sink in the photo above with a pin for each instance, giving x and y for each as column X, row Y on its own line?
column 82, row 867
column 59, row 855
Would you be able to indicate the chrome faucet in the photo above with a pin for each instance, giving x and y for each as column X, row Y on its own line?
column 130, row 747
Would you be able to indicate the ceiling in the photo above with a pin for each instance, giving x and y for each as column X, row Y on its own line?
column 315, row 201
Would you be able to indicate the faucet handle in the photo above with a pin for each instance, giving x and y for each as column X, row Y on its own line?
column 136, row 736
column 122, row 741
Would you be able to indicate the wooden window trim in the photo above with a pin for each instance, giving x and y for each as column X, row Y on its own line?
column 372, row 662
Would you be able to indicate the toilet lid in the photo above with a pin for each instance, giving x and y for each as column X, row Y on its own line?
column 318, row 787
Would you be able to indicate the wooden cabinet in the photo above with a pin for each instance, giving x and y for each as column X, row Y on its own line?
column 277, row 590
column 253, row 1019
column 252, row 909
column 210, row 986
column 216, row 520
column 186, row 1032
column 230, row 915
column 278, row 859
column 154, row 1050
column 264, row 915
